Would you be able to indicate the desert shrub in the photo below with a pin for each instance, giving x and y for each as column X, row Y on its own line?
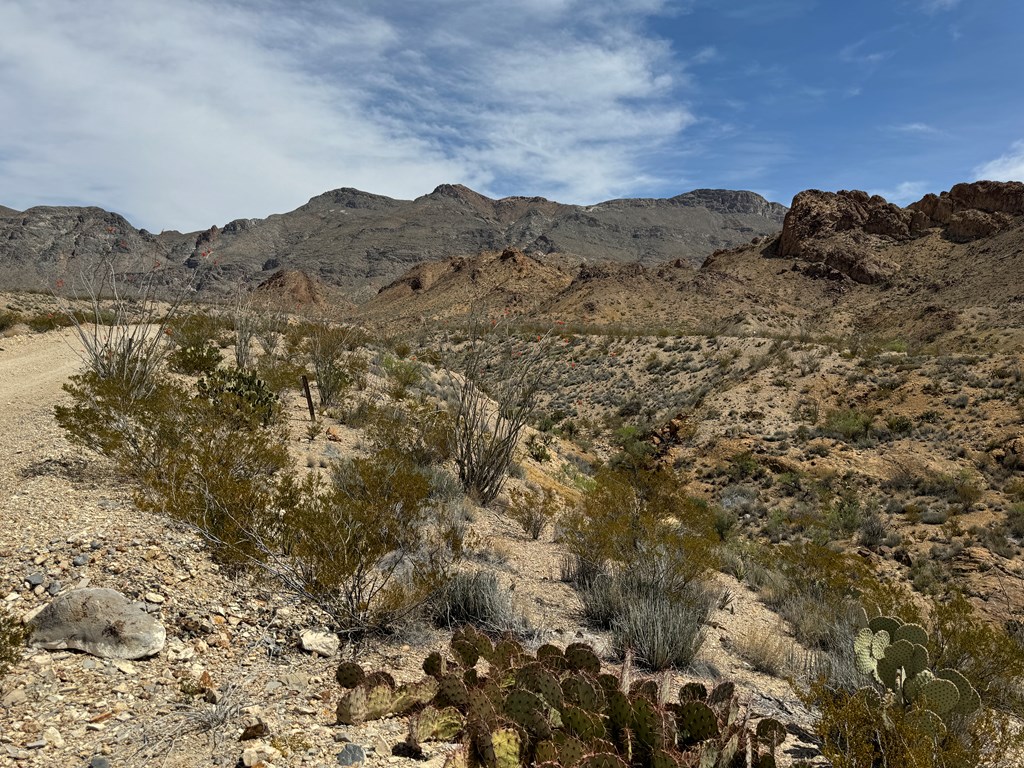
column 537, row 446
column 366, row 545
column 858, row 730
column 331, row 352
column 984, row 653
column 850, row 424
column 873, row 529
column 422, row 430
column 195, row 345
column 1015, row 519
column 194, row 360
column 744, row 466
column 403, row 374
column 476, row 597
column 12, row 641
column 664, row 629
column 533, row 509
column 764, row 650
column 628, row 519
column 967, row 490
column 8, row 319
column 899, row 425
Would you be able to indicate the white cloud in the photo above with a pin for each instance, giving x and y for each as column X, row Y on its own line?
column 919, row 129
column 904, row 193
column 1007, row 167
column 191, row 113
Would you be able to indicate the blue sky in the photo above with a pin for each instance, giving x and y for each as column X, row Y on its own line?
column 186, row 113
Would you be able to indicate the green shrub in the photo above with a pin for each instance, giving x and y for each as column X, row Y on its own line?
column 850, row 424
column 335, row 365
column 627, row 520
column 8, row 319
column 421, row 430
column 533, row 509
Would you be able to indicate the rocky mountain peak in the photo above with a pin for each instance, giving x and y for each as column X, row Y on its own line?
column 731, row 201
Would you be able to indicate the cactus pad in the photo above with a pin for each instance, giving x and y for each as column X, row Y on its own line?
column 912, row 633
column 380, row 699
column 862, row 651
column 693, row 692
column 529, row 711
column 412, row 695
column 901, row 653
column 926, row 721
column 661, row 758
column 722, row 693
column 582, row 658
column 887, row 671
column 435, row 665
column 506, row 745
column 913, row 686
column 644, row 689
column 879, row 643
column 437, row 724
column 551, row 656
column 452, row 690
column 940, row 695
column 620, row 710
column 602, row 760
column 570, row 750
column 465, row 651
column 918, row 661
column 349, row 674
column 696, row 721
column 351, row 708
column 885, row 624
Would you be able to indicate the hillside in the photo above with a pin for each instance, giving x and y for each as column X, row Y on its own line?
column 946, row 268
column 359, row 242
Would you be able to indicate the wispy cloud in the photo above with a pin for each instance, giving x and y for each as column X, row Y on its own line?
column 1007, row 167
column 190, row 113
column 915, row 129
column 936, row 6
column 904, row 193
column 855, row 53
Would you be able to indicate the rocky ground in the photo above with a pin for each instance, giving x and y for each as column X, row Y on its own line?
column 233, row 665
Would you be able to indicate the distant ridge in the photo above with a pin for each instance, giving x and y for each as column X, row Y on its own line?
column 356, row 242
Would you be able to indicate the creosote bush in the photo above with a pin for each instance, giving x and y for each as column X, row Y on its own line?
column 534, row 509
column 638, row 551
column 364, row 545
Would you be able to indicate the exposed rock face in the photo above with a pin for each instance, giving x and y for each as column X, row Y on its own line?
column 846, row 231
column 98, row 621
column 289, row 287
column 971, row 211
column 842, row 229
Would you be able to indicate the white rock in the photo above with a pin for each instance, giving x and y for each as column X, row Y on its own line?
column 318, row 641
column 258, row 753
column 53, row 737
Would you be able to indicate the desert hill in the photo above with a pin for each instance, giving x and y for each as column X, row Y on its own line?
column 359, row 242
column 843, row 264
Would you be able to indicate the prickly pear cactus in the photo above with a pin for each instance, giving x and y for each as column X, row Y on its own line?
column 556, row 709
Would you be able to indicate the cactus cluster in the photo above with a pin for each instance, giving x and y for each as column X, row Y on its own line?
column 555, row 708
column 895, row 654
column 249, row 396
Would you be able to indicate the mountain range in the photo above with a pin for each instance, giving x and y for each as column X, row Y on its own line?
column 357, row 242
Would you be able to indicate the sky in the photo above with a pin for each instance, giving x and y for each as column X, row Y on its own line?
column 181, row 114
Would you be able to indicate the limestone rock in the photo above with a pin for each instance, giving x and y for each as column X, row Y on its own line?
column 318, row 641
column 101, row 622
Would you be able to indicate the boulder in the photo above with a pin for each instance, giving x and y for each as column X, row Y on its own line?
column 101, row 622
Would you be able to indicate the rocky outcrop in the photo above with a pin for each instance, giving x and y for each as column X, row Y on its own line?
column 842, row 231
column 971, row 211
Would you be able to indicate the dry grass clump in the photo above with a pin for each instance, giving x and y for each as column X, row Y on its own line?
column 764, row 650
